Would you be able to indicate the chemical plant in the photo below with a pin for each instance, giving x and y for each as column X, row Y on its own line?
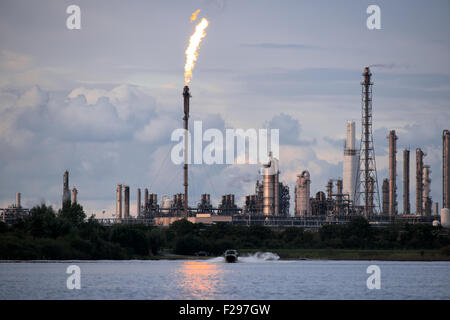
column 356, row 194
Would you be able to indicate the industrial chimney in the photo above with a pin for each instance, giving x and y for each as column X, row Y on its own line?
column 119, row 201
column 18, row 205
column 392, row 174
column 74, row 195
column 138, row 208
column 186, row 97
column 445, row 169
column 350, row 166
column 126, row 202
column 66, row 191
column 406, row 204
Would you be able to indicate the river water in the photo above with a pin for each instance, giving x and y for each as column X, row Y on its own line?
column 254, row 277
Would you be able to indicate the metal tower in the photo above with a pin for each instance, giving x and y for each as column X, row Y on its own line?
column 366, row 180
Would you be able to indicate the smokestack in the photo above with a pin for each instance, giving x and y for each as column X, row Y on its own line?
column 119, row 201
column 426, row 191
column 18, row 200
column 145, row 199
column 350, row 165
column 138, row 209
column 126, row 202
column 445, row 169
column 385, row 192
column 186, row 96
column 419, row 181
column 66, row 191
column 392, row 174
column 74, row 195
column 406, row 204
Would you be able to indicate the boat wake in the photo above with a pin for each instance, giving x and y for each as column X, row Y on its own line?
column 260, row 257
column 252, row 258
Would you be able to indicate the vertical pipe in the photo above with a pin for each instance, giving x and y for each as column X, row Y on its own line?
column 145, row 199
column 370, row 198
column 385, row 192
column 119, row 201
column 419, row 182
column 427, row 203
column 276, row 192
column 138, row 209
column 339, row 197
column 18, row 200
column 406, row 203
column 445, row 169
column 74, row 195
column 126, row 202
column 66, row 191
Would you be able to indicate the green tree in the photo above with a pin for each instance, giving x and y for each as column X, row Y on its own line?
column 72, row 212
column 42, row 221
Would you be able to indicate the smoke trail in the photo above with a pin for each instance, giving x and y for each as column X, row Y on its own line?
column 191, row 51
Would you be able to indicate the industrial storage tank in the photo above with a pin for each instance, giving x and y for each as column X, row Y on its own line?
column 166, row 204
column 445, row 217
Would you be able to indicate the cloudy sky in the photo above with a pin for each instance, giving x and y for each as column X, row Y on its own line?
column 102, row 101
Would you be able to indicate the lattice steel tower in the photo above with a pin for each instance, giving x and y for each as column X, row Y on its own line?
column 366, row 181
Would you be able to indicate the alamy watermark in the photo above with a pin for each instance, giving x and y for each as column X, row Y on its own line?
column 220, row 149
column 374, row 280
column 74, row 280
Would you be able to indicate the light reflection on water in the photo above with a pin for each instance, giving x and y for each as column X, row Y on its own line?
column 200, row 279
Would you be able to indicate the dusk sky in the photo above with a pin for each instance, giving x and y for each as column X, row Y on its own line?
column 103, row 101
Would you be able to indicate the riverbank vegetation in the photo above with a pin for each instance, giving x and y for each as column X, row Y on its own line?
column 67, row 234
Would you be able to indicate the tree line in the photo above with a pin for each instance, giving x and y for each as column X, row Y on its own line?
column 67, row 234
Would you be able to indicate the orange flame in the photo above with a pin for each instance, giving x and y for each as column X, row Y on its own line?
column 194, row 15
column 191, row 51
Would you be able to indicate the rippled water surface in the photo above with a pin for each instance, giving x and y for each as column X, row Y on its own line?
column 255, row 277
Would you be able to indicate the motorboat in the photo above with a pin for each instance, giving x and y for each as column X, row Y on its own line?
column 231, row 255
